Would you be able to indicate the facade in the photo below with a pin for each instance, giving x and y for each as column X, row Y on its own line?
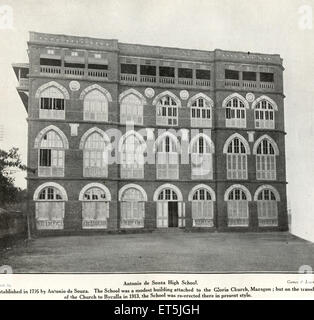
column 137, row 137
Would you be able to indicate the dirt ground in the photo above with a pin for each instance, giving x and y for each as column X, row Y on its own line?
column 161, row 252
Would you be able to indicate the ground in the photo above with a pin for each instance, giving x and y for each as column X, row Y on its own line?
column 173, row 252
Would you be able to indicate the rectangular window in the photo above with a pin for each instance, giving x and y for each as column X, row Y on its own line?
column 203, row 74
column 128, row 68
column 45, row 158
column 265, row 167
column 266, row 77
column 236, row 166
column 98, row 66
column 166, row 72
column 249, row 76
column 231, row 74
column 51, row 104
column 185, row 73
column 50, row 62
column 148, row 70
column 74, row 65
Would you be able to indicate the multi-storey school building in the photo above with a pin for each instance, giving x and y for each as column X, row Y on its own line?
column 126, row 136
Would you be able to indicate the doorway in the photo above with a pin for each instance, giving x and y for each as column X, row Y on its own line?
column 172, row 214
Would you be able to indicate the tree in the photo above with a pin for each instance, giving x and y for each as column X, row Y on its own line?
column 9, row 160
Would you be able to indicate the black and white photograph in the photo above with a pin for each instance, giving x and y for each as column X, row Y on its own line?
column 153, row 138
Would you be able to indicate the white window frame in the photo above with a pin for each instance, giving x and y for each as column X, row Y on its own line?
column 132, row 158
column 267, row 210
column 95, row 210
column 235, row 113
column 52, row 142
column 54, row 95
column 201, row 159
column 131, row 109
column 96, row 155
column 49, row 213
column 95, row 106
column 165, row 108
column 264, row 109
column 265, row 161
column 201, row 113
column 238, row 208
column 202, row 209
column 167, row 158
column 237, row 160
column 132, row 209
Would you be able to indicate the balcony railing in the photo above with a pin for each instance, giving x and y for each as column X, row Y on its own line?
column 74, row 72
column 149, row 79
column 232, row 83
column 202, row 82
column 128, row 77
column 172, row 81
column 167, row 80
column 185, row 81
column 97, row 73
column 267, row 85
column 50, row 70
column 249, row 84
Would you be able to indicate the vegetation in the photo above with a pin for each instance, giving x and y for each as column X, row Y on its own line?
column 9, row 193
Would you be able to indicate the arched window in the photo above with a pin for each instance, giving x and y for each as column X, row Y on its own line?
column 131, row 109
column 238, row 208
column 51, row 155
column 201, row 113
column 132, row 157
column 51, row 104
column 95, row 163
column 167, row 157
column 235, row 113
column 132, row 207
column 170, row 207
column 265, row 160
column 202, row 199
column 95, row 206
column 267, row 207
column 95, row 106
column 264, row 115
column 49, row 202
column 201, row 157
column 167, row 111
column 236, row 159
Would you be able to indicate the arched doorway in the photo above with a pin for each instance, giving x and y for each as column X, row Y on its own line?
column 170, row 207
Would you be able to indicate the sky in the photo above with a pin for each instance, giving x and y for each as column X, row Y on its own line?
column 265, row 26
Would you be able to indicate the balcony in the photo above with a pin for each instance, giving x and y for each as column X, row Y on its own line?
column 185, row 81
column 51, row 70
column 232, row 83
column 128, row 77
column 23, row 84
column 148, row 79
column 249, row 85
column 69, row 72
column 167, row 80
column 164, row 81
column 267, row 85
column 77, row 72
